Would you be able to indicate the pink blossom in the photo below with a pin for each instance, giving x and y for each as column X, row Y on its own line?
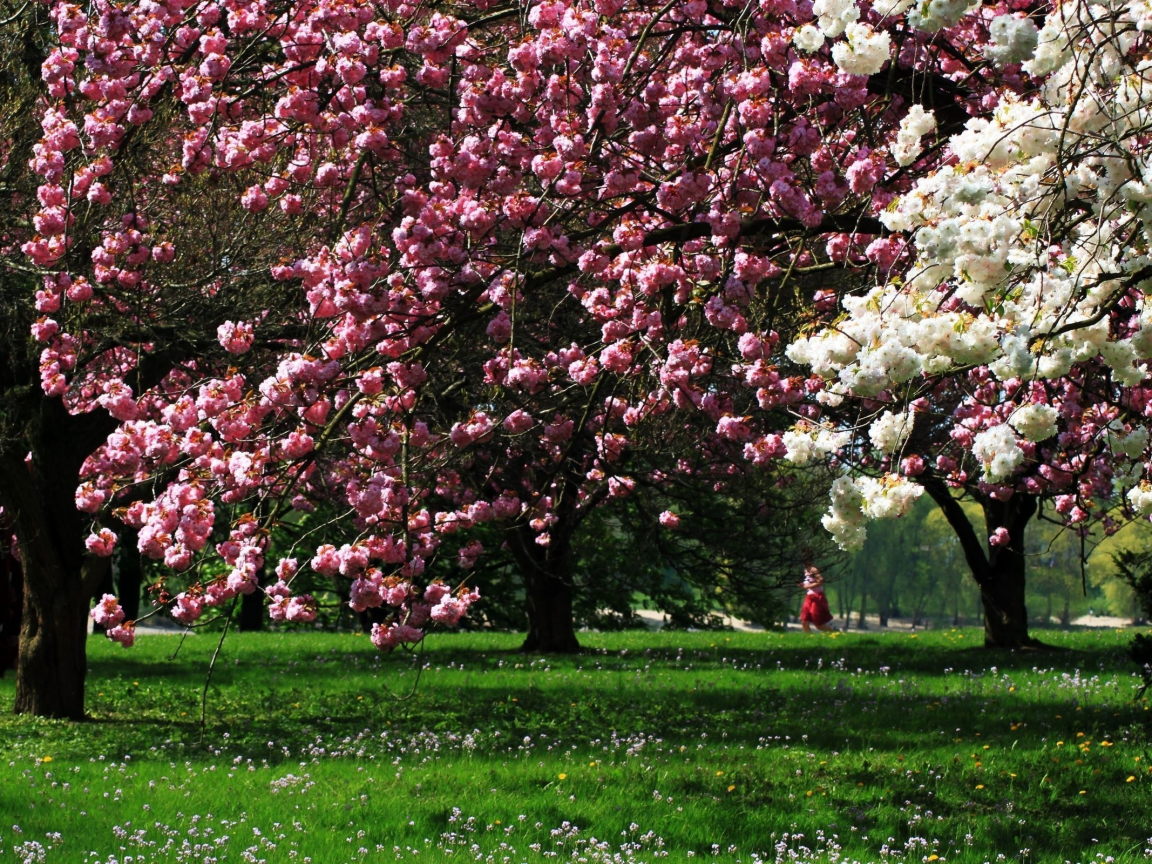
column 101, row 542
column 236, row 338
column 107, row 612
column 125, row 634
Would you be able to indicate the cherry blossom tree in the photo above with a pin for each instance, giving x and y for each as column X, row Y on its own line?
column 441, row 266
column 1004, row 355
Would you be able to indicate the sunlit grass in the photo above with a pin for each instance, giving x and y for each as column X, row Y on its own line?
column 677, row 745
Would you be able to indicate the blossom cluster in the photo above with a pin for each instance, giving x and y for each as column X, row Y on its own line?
column 1019, row 325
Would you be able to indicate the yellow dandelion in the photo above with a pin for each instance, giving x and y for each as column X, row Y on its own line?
column 732, row 787
column 1130, row 779
column 563, row 776
column 46, row 759
column 980, row 786
column 719, row 773
column 1083, row 791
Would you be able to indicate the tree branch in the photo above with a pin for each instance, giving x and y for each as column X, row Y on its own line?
column 973, row 548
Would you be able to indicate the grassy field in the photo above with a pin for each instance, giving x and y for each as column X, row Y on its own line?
column 704, row 746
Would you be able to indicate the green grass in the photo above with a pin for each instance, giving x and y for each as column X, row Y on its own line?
column 872, row 747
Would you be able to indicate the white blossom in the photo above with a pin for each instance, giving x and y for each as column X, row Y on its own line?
column 888, row 497
column 1140, row 497
column 932, row 15
column 890, row 431
column 1035, row 422
column 832, row 16
column 916, row 124
column 845, row 519
column 1130, row 444
column 998, row 451
column 807, row 442
column 864, row 52
column 808, row 38
column 1014, row 39
column 856, row 501
column 892, row 8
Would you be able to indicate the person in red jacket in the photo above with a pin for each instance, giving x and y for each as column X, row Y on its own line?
column 815, row 611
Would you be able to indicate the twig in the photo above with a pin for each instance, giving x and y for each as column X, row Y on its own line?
column 180, row 645
column 212, row 666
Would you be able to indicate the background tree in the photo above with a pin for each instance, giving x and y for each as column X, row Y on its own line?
column 465, row 265
column 498, row 286
column 1002, row 359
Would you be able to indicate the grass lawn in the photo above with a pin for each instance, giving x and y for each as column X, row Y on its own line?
column 703, row 746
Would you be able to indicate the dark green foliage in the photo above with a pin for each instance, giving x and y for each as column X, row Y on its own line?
column 1135, row 568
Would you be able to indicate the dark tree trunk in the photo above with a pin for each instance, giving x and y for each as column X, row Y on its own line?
column 547, row 574
column 58, row 584
column 11, row 609
column 60, row 578
column 368, row 617
column 130, row 574
column 862, row 624
column 998, row 570
column 550, row 625
column 1002, row 592
column 252, row 609
column 107, row 586
column 53, row 660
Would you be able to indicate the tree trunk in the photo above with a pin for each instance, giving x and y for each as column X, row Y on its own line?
column 59, row 576
column 862, row 623
column 252, row 608
column 130, row 573
column 550, row 626
column 58, row 584
column 547, row 573
column 998, row 570
column 53, row 661
column 107, row 586
column 11, row 609
column 1002, row 590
